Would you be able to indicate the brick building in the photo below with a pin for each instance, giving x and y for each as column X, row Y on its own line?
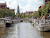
column 3, row 5
column 29, row 12
column 12, row 10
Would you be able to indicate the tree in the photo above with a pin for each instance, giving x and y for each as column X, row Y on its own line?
column 36, row 14
column 19, row 15
column 45, row 10
column 6, row 12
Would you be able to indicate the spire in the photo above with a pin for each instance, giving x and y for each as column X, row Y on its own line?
column 18, row 10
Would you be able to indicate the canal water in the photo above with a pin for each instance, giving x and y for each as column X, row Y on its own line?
column 22, row 30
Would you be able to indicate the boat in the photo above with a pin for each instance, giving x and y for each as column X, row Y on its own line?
column 2, row 22
column 43, row 25
column 8, row 21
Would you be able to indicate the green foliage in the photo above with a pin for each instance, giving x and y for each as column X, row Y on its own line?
column 6, row 12
column 25, row 16
column 45, row 10
column 29, row 16
column 36, row 14
column 20, row 15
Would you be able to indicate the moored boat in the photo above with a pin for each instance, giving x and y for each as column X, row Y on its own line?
column 8, row 21
column 43, row 25
column 2, row 22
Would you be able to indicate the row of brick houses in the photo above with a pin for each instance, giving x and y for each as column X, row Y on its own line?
column 4, row 6
column 29, row 12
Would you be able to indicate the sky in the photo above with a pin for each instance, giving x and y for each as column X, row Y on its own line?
column 25, row 5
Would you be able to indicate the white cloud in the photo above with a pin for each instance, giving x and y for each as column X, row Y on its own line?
column 12, row 4
column 2, row 2
column 31, row 5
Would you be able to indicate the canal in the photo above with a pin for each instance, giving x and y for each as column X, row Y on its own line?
column 22, row 30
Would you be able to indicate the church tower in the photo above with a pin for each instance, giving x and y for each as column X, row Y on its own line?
column 18, row 10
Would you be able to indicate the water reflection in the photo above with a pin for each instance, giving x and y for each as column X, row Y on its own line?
column 45, row 34
column 12, row 32
column 2, row 32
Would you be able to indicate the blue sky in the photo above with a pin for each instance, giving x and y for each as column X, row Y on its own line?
column 25, row 5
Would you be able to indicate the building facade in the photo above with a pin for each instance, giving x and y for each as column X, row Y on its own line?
column 12, row 10
column 3, row 5
column 29, row 12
